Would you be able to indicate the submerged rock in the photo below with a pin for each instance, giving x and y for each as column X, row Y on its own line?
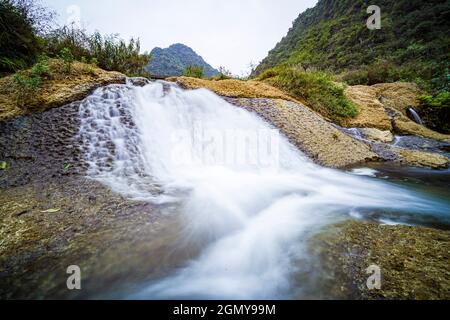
column 413, row 260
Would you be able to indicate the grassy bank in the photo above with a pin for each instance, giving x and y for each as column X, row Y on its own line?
column 318, row 89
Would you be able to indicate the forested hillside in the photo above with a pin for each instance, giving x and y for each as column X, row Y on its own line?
column 412, row 45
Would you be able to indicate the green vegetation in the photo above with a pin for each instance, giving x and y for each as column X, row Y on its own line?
column 28, row 82
column 3, row 165
column 68, row 58
column 193, row 71
column 317, row 88
column 20, row 25
column 224, row 74
column 107, row 52
column 413, row 44
column 435, row 111
column 26, row 34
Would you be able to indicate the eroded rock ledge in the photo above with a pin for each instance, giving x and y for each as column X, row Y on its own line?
column 57, row 90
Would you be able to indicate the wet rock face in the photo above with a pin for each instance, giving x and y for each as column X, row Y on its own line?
column 113, row 240
column 41, row 146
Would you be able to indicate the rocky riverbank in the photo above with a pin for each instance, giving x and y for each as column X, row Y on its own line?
column 413, row 261
column 52, row 216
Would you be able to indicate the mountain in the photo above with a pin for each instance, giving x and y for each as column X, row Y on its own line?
column 413, row 40
column 173, row 60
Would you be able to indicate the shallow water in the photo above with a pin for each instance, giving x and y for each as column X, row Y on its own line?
column 248, row 200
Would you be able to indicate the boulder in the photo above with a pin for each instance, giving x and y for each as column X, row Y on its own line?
column 377, row 135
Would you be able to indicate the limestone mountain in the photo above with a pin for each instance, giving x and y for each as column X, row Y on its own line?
column 174, row 59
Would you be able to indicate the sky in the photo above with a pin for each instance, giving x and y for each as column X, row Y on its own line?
column 228, row 33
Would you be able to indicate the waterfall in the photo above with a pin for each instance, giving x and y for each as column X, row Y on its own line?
column 246, row 195
column 413, row 115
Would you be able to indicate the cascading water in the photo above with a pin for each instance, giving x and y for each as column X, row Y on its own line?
column 246, row 196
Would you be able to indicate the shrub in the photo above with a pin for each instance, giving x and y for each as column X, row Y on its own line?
column 193, row 71
column 26, row 86
column 68, row 58
column 318, row 89
column 41, row 68
column 435, row 111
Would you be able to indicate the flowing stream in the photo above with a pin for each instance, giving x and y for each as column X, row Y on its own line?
column 244, row 195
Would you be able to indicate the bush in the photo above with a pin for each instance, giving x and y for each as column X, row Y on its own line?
column 26, row 87
column 435, row 111
column 27, row 83
column 193, row 71
column 68, row 58
column 317, row 88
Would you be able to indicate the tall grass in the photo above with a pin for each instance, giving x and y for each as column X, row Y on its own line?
column 108, row 52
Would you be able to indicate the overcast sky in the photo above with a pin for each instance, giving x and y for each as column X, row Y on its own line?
column 229, row 33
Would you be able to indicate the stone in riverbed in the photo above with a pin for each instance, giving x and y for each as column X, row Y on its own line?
column 422, row 159
column 377, row 135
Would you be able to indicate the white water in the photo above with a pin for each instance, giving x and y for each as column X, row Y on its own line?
column 252, row 214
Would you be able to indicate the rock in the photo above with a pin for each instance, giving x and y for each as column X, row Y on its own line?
column 139, row 81
column 234, row 88
column 57, row 91
column 311, row 133
column 371, row 111
column 422, row 159
column 413, row 260
column 403, row 125
column 398, row 95
column 377, row 135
